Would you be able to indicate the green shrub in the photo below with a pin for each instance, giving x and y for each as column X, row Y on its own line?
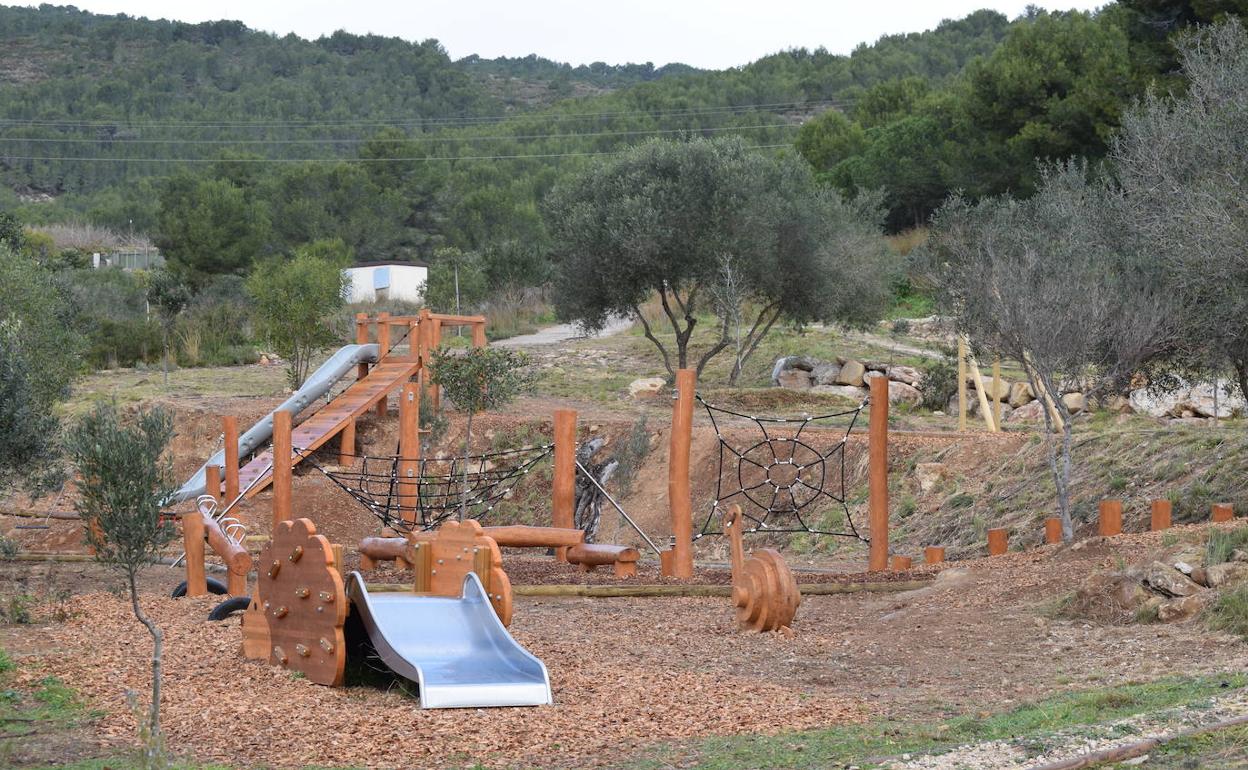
column 1230, row 612
column 940, row 382
column 1222, row 544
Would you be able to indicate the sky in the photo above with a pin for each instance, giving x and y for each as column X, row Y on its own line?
column 704, row 33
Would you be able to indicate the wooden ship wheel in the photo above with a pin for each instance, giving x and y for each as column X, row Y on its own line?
column 763, row 588
column 301, row 601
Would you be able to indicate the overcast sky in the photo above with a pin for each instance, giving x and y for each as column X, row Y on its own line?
column 704, row 33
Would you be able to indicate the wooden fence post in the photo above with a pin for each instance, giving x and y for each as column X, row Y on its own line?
column 934, row 554
column 901, row 563
column 193, row 543
column 283, row 478
column 1162, row 510
column 229, row 426
column 1222, row 512
column 212, row 482
column 383, row 349
column 478, row 334
column 998, row 541
column 877, row 475
column 361, row 338
column 409, row 451
column 346, row 443
column 679, row 496
column 1109, row 523
column 563, row 493
column 1053, row 530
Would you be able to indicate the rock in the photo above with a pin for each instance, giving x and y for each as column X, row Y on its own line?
column 825, row 374
column 873, row 375
column 1032, row 411
column 1075, row 402
column 1184, row 567
column 875, row 366
column 1199, row 576
column 929, row 475
column 851, row 373
column 646, row 387
column 1119, row 404
column 906, row 374
column 994, row 388
column 1197, row 398
column 1020, row 394
column 1186, row 608
column 1227, row 574
column 784, row 363
column 1109, row 594
column 795, row 379
column 264, row 361
column 901, row 393
column 845, row 391
column 1239, row 555
column 1163, row 578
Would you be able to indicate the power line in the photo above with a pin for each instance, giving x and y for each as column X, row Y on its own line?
column 418, row 139
column 340, row 160
column 418, row 121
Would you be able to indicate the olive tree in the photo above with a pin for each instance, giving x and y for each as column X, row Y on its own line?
column 1183, row 164
column 124, row 478
column 664, row 218
column 1057, row 283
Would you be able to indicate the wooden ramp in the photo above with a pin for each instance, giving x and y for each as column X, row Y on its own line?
column 330, row 419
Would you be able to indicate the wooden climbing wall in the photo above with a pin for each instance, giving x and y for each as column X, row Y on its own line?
column 442, row 558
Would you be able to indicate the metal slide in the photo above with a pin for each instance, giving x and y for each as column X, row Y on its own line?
column 317, row 385
column 457, row 650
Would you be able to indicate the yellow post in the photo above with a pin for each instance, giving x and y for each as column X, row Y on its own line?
column 996, row 392
column 961, row 383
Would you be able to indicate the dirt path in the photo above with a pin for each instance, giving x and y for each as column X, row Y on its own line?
column 552, row 335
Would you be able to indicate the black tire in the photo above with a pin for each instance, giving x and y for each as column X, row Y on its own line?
column 229, row 607
column 214, row 587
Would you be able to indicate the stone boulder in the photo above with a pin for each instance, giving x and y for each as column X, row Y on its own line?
column 907, row 374
column 786, row 363
column 1186, row 608
column 1075, row 402
column 1032, row 411
column 929, row 475
column 795, row 379
column 852, row 373
column 825, row 373
column 1163, row 578
column 1227, row 574
column 1196, row 398
column 1020, row 394
column 845, row 391
column 994, row 388
column 647, row 387
column 1109, row 596
column 901, row 393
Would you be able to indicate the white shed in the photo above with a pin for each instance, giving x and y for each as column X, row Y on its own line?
column 380, row 281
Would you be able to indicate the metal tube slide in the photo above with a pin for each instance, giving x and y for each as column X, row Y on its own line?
column 457, row 650
column 317, row 385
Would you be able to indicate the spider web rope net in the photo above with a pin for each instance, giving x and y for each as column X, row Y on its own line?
column 781, row 480
column 438, row 486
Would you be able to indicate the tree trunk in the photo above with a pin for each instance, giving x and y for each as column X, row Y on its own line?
column 463, row 500
column 752, row 341
column 1241, row 376
column 152, row 747
column 645, row 326
column 165, row 358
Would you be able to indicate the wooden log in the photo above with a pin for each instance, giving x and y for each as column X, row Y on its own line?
column 1109, row 521
column 193, row 540
column 563, row 493
column 237, row 559
column 478, row 334
column 409, row 452
column 1161, row 513
column 996, row 392
column 877, row 475
column 1222, row 512
column 962, row 375
column 1053, row 530
column 901, row 563
column 934, row 554
column 982, row 397
column 361, row 338
column 597, row 554
column 521, row 536
column 679, row 495
column 346, row 444
column 998, row 541
column 212, row 482
column 383, row 349
column 229, row 427
column 377, row 549
column 283, row 480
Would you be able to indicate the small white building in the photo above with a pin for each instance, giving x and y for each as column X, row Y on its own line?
column 382, row 280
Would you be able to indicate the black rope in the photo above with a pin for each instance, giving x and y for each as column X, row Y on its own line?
column 776, row 505
column 378, row 486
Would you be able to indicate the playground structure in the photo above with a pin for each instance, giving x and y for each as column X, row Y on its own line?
column 303, row 611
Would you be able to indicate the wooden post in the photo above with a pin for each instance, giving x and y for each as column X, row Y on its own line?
column 229, row 426
column 283, row 479
column 361, row 338
column 998, row 541
column 1162, row 510
column 383, row 349
column 1110, row 520
column 193, row 542
column 901, row 563
column 996, row 392
column 563, row 495
column 212, row 481
column 409, row 451
column 346, row 443
column 478, row 334
column 1053, row 530
column 679, row 496
column 985, row 408
column 1222, row 512
column 962, row 384
column 877, row 475
column 934, row 554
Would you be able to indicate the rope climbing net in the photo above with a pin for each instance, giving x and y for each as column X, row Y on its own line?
column 782, row 480
column 435, row 492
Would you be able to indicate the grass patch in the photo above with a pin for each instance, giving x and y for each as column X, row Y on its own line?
column 1223, row 543
column 1225, row 748
column 1230, row 612
column 868, row 745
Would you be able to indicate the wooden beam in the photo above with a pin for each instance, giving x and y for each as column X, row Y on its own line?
column 996, row 392
column 563, row 493
column 478, row 335
column 522, row 536
column 383, row 349
column 361, row 338
column 409, row 451
column 229, row 426
column 212, row 481
column 877, row 475
column 346, row 443
column 679, row 496
column 283, row 478
column 193, row 542
column 962, row 383
column 984, row 407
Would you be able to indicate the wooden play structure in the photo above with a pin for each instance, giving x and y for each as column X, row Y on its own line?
column 763, row 588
